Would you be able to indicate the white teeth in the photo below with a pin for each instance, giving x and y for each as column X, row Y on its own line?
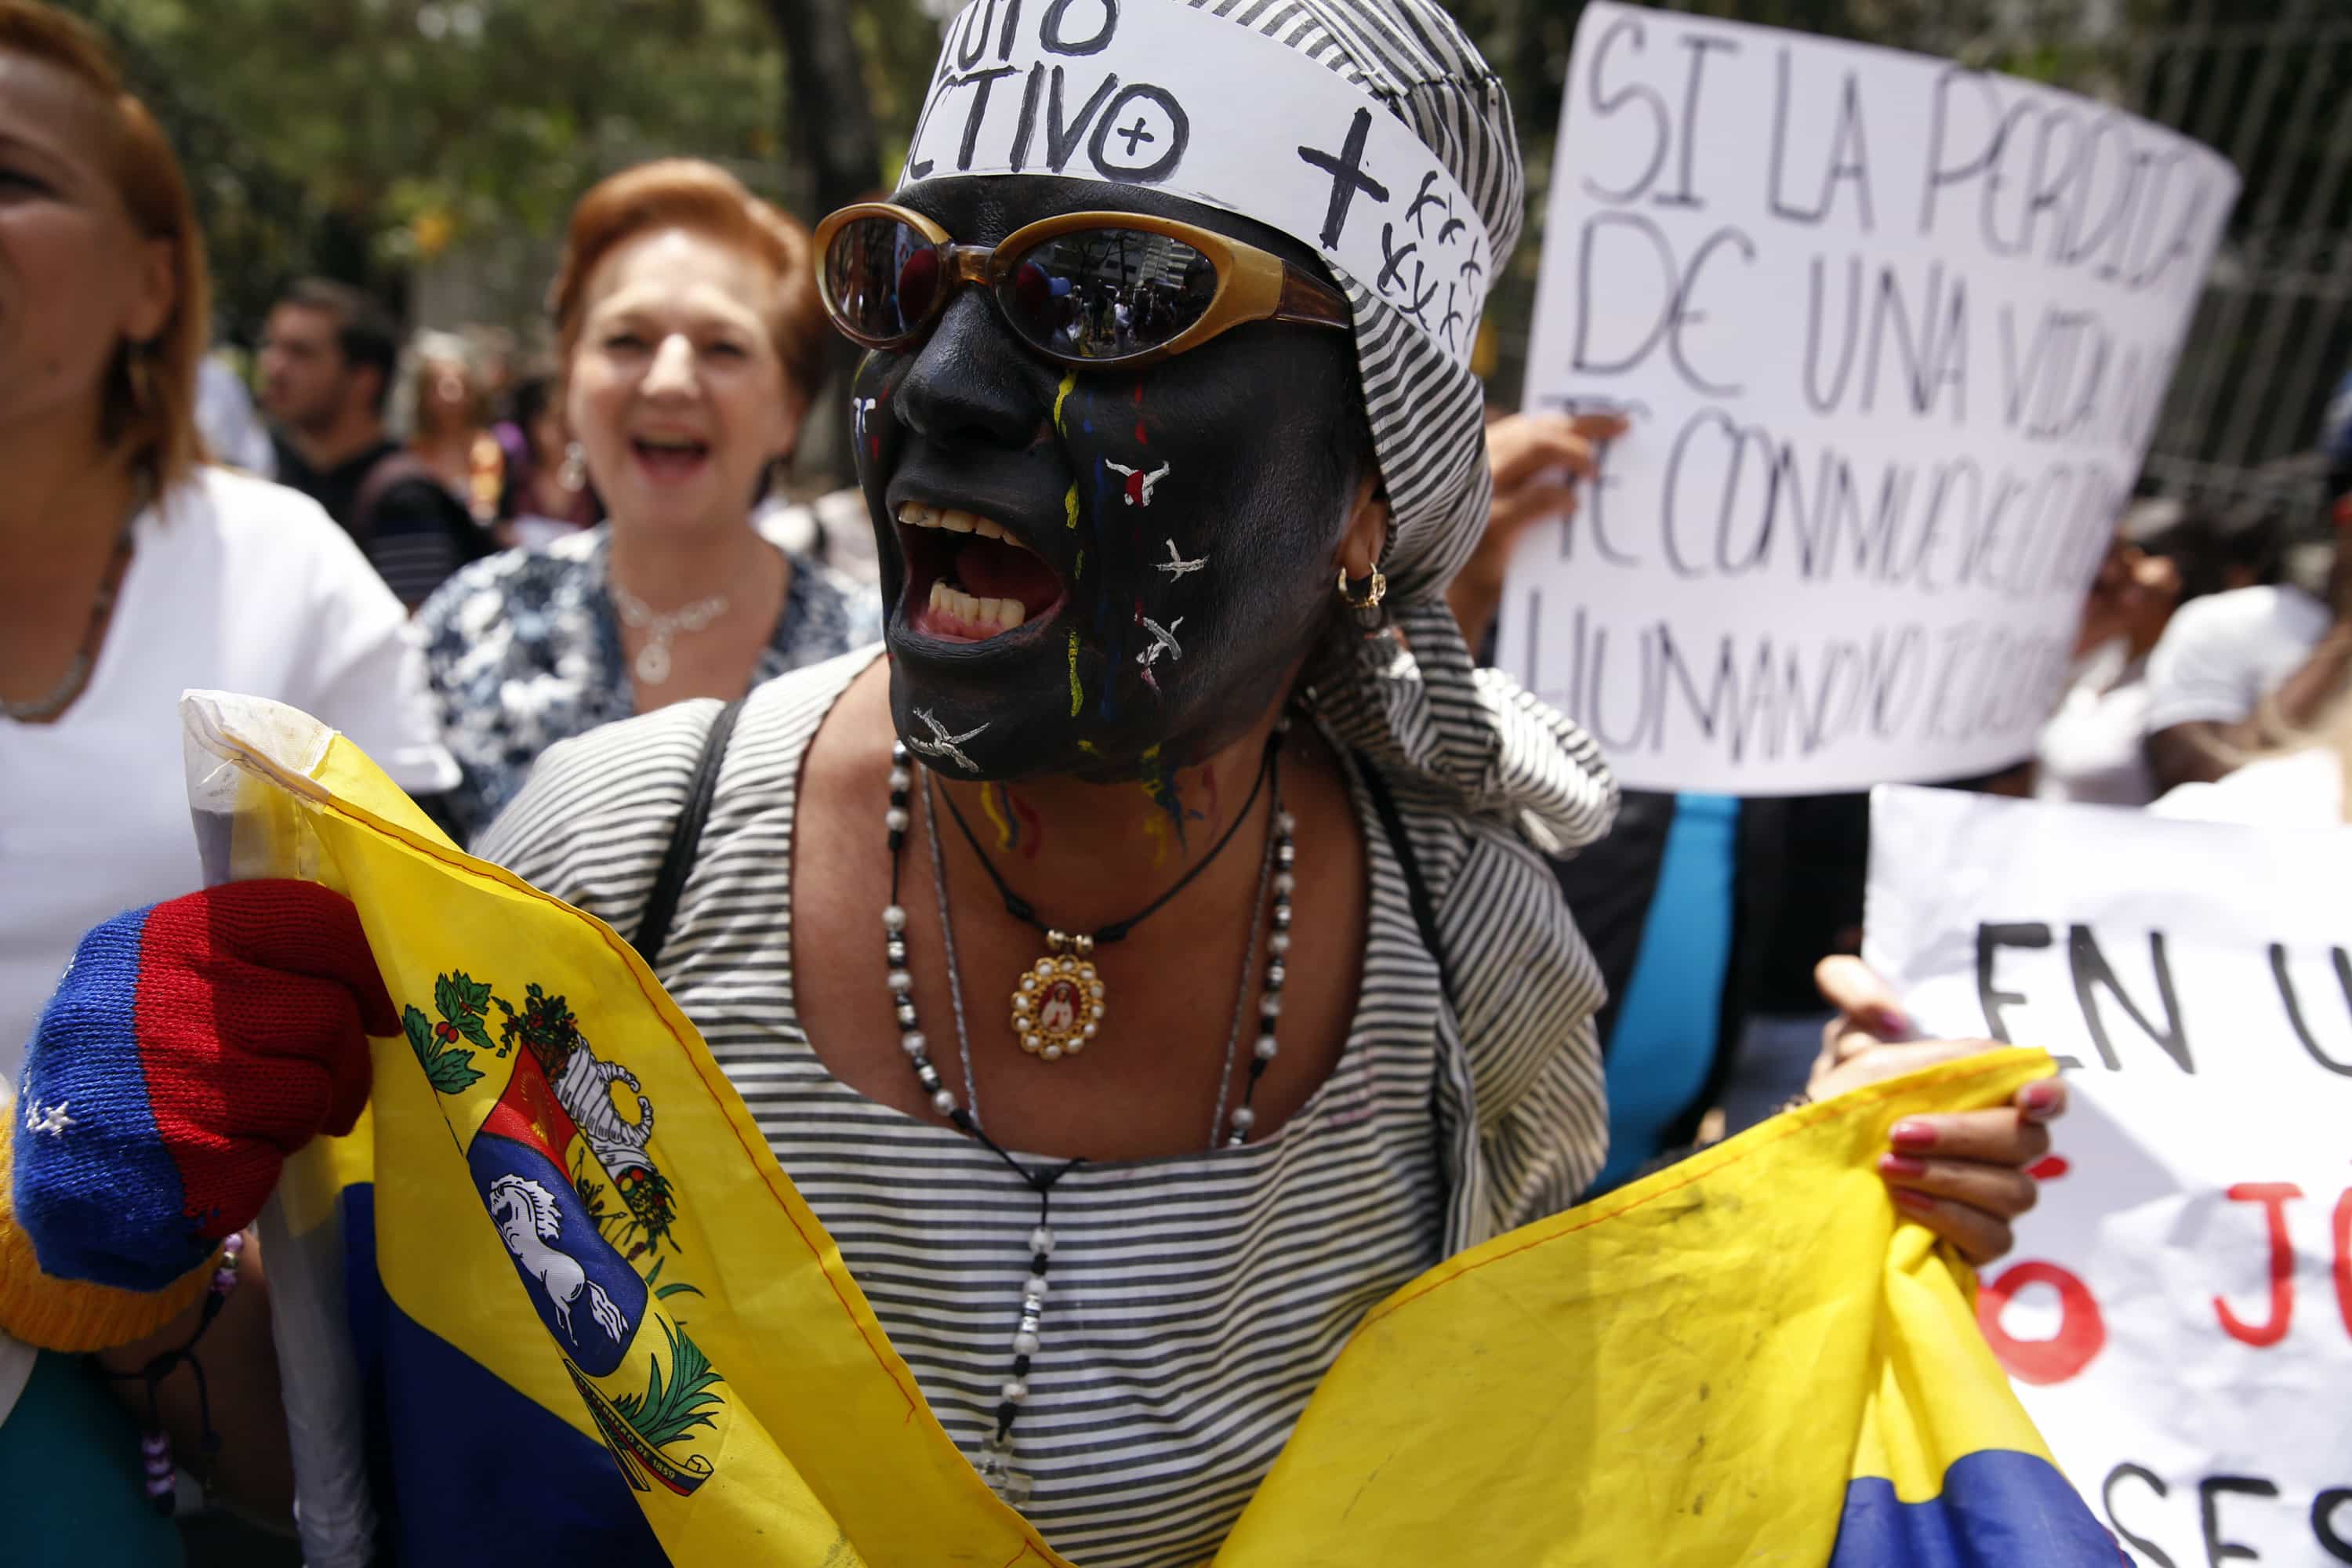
column 915, row 514
column 1004, row 615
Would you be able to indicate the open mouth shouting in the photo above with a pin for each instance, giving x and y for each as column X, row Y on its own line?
column 968, row 578
column 670, row 459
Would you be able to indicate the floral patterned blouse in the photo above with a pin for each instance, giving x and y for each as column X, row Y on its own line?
column 523, row 650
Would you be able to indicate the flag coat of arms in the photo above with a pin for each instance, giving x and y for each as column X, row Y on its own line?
column 610, row 1328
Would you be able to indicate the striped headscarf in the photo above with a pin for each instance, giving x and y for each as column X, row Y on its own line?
column 1407, row 184
column 1411, row 695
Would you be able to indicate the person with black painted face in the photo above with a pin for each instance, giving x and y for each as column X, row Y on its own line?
column 1143, row 964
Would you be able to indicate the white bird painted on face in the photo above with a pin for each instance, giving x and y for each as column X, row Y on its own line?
column 942, row 744
column 1163, row 640
column 1176, row 566
column 1139, row 484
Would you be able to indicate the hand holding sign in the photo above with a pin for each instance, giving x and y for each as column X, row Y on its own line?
column 1965, row 1176
column 1539, row 461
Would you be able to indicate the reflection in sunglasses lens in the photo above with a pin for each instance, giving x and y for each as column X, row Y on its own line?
column 881, row 275
column 1106, row 293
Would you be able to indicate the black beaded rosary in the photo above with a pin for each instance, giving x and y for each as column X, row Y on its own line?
column 1041, row 986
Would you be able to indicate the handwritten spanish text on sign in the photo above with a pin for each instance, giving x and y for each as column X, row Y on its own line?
column 2177, row 1314
column 1892, row 335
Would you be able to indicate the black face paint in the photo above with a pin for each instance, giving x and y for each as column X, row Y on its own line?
column 1180, row 522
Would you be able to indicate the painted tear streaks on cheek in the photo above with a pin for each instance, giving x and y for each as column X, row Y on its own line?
column 1077, row 696
column 1166, row 821
column 1018, row 829
column 1062, row 396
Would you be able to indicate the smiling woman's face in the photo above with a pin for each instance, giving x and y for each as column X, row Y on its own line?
column 676, row 392
column 1100, row 572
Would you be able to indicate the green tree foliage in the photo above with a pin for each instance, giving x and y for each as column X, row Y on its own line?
column 432, row 115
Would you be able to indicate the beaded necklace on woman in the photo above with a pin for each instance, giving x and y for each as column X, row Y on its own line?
column 1065, row 978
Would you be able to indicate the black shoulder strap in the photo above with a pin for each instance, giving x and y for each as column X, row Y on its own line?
column 1425, row 909
column 685, row 838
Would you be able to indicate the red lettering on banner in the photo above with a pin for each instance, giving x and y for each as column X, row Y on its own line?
column 2273, row 1196
column 2344, row 1257
column 2082, row 1331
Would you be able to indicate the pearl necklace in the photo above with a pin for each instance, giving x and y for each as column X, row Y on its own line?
column 652, row 664
column 995, row 1463
column 70, row 685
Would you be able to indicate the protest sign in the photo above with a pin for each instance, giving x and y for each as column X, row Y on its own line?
column 1892, row 335
column 2177, row 1314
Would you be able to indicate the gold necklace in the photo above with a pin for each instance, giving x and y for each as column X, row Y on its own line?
column 1060, row 1004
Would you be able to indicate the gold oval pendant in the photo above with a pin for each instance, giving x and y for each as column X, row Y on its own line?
column 1058, row 1007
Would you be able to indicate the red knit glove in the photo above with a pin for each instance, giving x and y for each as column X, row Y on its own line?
column 190, row 1047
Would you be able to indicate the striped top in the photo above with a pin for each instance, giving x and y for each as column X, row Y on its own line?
column 1197, row 1299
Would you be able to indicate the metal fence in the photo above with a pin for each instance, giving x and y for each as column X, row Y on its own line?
column 2267, row 83
column 2270, row 87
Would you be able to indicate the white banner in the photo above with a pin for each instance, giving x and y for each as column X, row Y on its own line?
column 1892, row 335
column 2177, row 1314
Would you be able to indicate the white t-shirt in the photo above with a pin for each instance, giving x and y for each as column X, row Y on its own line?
column 2092, row 749
column 2222, row 654
column 235, row 584
column 2301, row 789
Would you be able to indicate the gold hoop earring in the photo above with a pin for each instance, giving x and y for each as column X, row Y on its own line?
column 1376, row 589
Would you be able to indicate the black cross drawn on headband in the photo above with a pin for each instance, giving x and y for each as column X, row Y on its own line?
column 1347, row 170
column 1134, row 133
column 1424, row 198
column 1393, row 271
column 1417, row 298
column 1453, row 318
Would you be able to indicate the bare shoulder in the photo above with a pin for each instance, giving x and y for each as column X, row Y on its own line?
column 848, row 759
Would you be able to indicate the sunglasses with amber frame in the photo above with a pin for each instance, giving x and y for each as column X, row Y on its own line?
column 1250, row 285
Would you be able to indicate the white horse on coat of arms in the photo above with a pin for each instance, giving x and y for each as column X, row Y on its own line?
column 526, row 1217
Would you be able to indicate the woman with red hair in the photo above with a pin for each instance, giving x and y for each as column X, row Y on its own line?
column 130, row 568
column 690, row 341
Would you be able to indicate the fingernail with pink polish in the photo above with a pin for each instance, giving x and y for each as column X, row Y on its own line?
column 1917, row 1202
column 1912, row 1135
column 1892, row 1021
column 1901, row 1165
column 2040, row 1101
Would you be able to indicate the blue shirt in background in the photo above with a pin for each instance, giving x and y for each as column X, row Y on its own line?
column 1662, row 1052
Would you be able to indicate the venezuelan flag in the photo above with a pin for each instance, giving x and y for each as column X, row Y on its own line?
column 1746, row 1358
column 595, row 1323
column 608, row 1329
